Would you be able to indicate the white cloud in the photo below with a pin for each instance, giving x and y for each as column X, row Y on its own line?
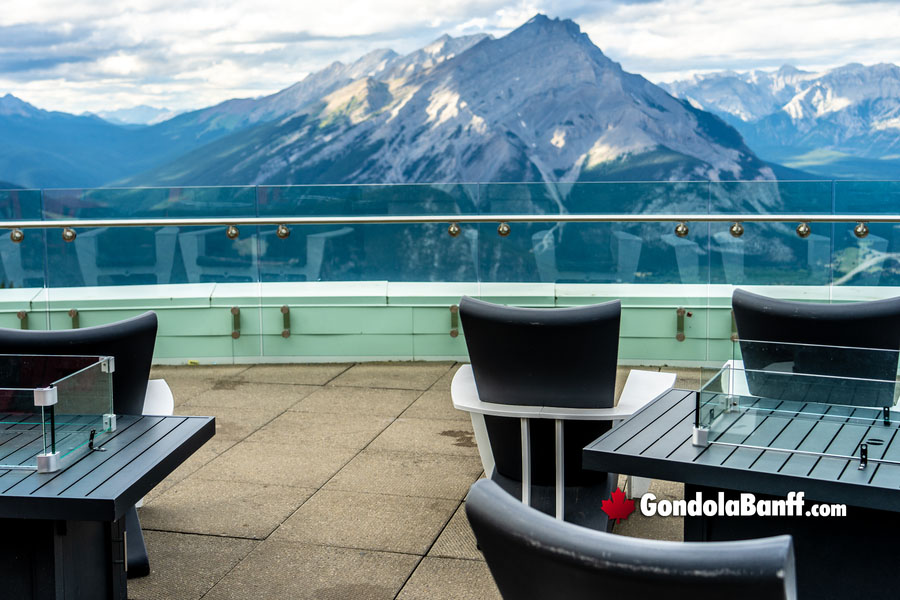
column 671, row 38
column 183, row 54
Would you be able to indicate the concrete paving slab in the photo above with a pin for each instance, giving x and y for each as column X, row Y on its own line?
column 656, row 527
column 302, row 465
column 212, row 372
column 310, row 374
column 686, row 379
column 184, row 567
column 205, row 454
column 183, row 389
column 435, row 404
column 404, row 474
column 233, row 424
column 230, row 508
column 360, row 401
column 344, row 431
column 428, row 436
column 368, row 521
column 444, row 382
column 450, row 579
column 287, row 570
column 253, row 396
column 398, row 375
column 653, row 528
column 457, row 539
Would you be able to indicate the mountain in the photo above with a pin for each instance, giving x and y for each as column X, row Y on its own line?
column 233, row 115
column 844, row 122
column 542, row 103
column 53, row 149
column 40, row 148
column 137, row 115
column 741, row 97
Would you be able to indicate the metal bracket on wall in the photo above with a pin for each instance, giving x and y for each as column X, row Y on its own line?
column 734, row 333
column 286, row 318
column 454, row 321
column 235, row 322
column 73, row 314
column 23, row 319
column 679, row 324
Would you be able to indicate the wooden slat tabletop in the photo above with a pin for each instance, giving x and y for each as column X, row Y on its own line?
column 656, row 442
column 101, row 486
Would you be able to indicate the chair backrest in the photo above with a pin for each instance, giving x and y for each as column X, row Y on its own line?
column 543, row 356
column 130, row 342
column 808, row 332
column 532, row 555
column 874, row 324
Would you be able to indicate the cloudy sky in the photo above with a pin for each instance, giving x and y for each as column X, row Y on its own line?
column 85, row 55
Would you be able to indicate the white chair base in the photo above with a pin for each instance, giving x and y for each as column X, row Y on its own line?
column 158, row 401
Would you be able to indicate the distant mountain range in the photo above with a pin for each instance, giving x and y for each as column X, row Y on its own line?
column 840, row 123
column 138, row 115
column 542, row 103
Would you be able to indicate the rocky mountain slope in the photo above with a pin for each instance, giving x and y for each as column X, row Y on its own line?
column 542, row 103
column 848, row 117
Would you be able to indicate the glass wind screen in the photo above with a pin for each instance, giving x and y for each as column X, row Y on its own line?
column 31, row 424
column 83, row 410
column 799, row 397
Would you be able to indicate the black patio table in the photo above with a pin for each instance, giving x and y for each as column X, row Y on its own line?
column 857, row 555
column 63, row 532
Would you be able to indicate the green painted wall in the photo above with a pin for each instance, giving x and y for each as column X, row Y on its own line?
column 349, row 321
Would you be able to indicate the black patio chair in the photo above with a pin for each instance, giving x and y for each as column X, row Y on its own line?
column 561, row 357
column 531, row 555
column 831, row 340
column 131, row 344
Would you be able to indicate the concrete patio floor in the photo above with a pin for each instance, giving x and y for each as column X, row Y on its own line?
column 327, row 481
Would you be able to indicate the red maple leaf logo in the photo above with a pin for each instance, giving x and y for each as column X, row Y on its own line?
column 617, row 507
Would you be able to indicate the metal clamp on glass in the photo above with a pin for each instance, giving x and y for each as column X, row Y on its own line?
column 48, row 463
column 45, row 396
column 700, row 436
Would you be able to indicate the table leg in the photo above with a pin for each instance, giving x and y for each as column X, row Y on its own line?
column 635, row 487
column 526, row 462
column 138, row 562
column 560, row 471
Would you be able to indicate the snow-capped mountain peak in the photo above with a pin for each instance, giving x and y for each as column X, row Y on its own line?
column 850, row 109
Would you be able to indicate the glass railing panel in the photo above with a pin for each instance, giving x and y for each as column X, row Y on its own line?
column 209, row 255
column 150, row 255
column 354, row 252
column 872, row 260
column 131, row 203
column 22, row 262
column 771, row 254
column 664, row 197
column 620, row 252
